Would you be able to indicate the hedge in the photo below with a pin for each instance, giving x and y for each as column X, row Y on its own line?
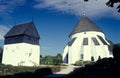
column 18, row 69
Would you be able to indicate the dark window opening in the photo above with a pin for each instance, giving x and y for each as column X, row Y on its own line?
column 81, row 56
column 71, row 42
column 102, row 40
column 95, row 41
column 85, row 41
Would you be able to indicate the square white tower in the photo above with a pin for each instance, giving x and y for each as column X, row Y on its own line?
column 21, row 46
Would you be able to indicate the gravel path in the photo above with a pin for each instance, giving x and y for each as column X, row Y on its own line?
column 64, row 71
column 67, row 70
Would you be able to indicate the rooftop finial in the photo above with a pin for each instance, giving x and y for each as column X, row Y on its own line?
column 85, row 2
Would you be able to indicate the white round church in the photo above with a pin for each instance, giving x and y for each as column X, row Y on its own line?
column 87, row 41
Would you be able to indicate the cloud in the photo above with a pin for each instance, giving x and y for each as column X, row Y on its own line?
column 7, row 6
column 3, row 31
column 77, row 7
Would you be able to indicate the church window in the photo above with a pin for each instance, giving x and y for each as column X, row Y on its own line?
column 81, row 56
column 85, row 41
column 95, row 41
column 102, row 40
column 30, row 54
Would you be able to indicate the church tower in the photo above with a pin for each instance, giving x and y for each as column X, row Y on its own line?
column 86, row 41
column 21, row 46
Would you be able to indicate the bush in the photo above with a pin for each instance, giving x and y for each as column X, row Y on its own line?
column 20, row 69
column 79, row 63
column 87, row 62
column 2, row 65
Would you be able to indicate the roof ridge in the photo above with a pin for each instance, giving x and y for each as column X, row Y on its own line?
column 23, row 23
column 29, row 23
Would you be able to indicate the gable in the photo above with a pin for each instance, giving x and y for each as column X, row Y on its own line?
column 32, row 31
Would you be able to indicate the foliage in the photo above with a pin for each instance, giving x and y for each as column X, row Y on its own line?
column 79, row 63
column 58, row 59
column 111, row 3
column 87, row 62
column 20, row 69
column 51, row 60
column 83, row 63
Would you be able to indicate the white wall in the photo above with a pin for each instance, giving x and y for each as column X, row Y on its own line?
column 21, row 54
column 77, row 48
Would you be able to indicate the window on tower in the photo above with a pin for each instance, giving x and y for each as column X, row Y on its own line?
column 95, row 41
column 102, row 40
column 85, row 41
column 81, row 56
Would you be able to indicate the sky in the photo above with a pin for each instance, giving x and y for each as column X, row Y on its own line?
column 55, row 19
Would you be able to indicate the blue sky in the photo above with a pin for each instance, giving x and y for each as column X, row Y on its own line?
column 55, row 19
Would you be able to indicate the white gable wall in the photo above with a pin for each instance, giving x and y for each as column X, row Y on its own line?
column 21, row 54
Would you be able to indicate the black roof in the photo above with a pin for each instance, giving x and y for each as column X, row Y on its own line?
column 85, row 24
column 28, row 29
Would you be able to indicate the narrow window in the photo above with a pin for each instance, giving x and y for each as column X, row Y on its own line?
column 102, row 40
column 85, row 41
column 81, row 56
column 95, row 41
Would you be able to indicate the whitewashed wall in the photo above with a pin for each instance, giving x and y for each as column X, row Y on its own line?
column 21, row 54
column 77, row 48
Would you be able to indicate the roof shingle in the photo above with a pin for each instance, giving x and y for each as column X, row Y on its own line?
column 22, row 29
column 85, row 24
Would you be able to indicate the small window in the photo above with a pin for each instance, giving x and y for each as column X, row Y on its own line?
column 102, row 40
column 81, row 56
column 85, row 41
column 95, row 41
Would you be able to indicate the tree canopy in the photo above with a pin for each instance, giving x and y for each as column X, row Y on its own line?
column 111, row 3
column 51, row 60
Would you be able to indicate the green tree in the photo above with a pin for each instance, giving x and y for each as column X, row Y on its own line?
column 41, row 59
column 48, row 60
column 58, row 58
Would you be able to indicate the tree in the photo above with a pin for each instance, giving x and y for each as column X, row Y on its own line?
column 40, row 56
column 51, row 60
column 59, row 58
column 48, row 60
column 1, row 51
column 111, row 3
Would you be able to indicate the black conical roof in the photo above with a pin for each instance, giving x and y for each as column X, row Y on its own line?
column 85, row 24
